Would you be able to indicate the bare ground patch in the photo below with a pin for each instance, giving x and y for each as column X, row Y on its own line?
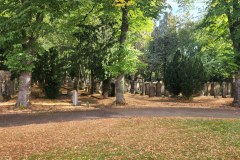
column 91, row 102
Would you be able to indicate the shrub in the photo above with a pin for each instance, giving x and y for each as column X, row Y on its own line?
column 184, row 75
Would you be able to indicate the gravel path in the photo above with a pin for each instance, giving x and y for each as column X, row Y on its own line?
column 39, row 118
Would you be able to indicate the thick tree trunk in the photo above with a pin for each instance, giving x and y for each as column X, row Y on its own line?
column 234, row 24
column 24, row 89
column 236, row 100
column 119, row 90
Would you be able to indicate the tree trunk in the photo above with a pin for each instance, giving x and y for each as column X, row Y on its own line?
column 76, row 84
column 24, row 89
column 119, row 90
column 234, row 24
column 106, row 88
column 92, row 83
column 119, row 81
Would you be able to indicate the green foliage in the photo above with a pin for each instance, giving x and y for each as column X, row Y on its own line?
column 50, row 73
column 172, row 76
column 127, row 61
column 22, row 24
column 163, row 45
column 216, row 47
column 18, row 60
column 192, row 75
column 2, row 59
column 184, row 74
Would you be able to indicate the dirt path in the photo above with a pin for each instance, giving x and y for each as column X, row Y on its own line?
column 9, row 120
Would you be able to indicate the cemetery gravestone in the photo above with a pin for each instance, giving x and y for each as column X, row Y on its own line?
column 158, row 89
column 75, row 98
column 208, row 88
column 152, row 90
column 147, row 85
column 216, row 89
column 224, row 90
column 143, row 89
column 163, row 88
column 229, row 88
column 6, row 86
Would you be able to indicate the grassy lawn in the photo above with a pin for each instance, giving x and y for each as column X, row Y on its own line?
column 151, row 138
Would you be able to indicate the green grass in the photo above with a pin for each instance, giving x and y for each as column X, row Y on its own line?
column 157, row 138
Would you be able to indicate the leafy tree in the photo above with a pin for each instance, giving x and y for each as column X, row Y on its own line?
column 148, row 8
column 218, row 39
column 163, row 45
column 22, row 24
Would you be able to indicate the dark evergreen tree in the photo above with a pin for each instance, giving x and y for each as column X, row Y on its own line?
column 172, row 77
column 49, row 74
column 184, row 74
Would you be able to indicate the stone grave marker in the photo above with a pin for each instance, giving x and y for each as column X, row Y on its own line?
column 216, row 89
column 147, row 86
column 75, row 98
column 158, row 89
column 224, row 90
column 152, row 90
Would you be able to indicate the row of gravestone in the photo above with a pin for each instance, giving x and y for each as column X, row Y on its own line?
column 7, row 86
column 150, row 89
column 215, row 89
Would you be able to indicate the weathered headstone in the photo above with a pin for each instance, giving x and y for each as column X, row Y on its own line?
column 163, row 88
column 205, row 89
column 97, row 87
column 6, row 85
column 75, row 98
column 229, row 88
column 158, row 89
column 216, row 89
column 147, row 85
column 236, row 101
column 167, row 94
column 224, row 90
column 137, row 88
column 152, row 90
